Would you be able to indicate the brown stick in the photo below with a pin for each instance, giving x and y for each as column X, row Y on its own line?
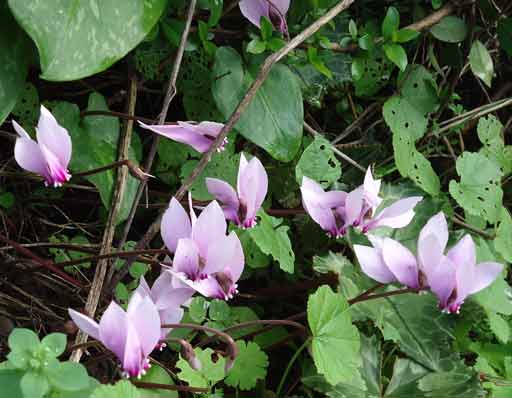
column 170, row 387
column 235, row 116
column 171, row 93
column 108, row 236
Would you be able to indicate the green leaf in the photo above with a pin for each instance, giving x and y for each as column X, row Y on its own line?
column 450, row 29
column 405, row 35
column 396, row 54
column 481, row 62
column 367, row 42
column 256, row 46
column 336, row 342
column 318, row 63
column 352, row 29
column 77, row 39
column 34, row 385
column 23, row 340
column 272, row 238
column 55, row 342
column 505, row 34
column 249, row 367
column 157, row 374
column 479, row 190
column 95, row 141
column 490, row 134
column 499, row 327
column 219, row 310
column 68, row 376
column 266, row 28
column 461, row 383
column 197, row 309
column 122, row 389
column 10, row 382
column 215, row 12
column 319, row 163
column 13, row 62
column 375, row 75
column 503, row 234
column 272, row 121
column 391, row 23
column 7, row 200
column 254, row 257
column 209, row 374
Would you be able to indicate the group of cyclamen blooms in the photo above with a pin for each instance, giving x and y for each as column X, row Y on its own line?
column 209, row 261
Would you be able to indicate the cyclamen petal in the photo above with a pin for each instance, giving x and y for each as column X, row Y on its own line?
column 175, row 225
column 373, row 264
column 50, row 155
column 401, row 262
column 274, row 10
column 252, row 185
column 198, row 136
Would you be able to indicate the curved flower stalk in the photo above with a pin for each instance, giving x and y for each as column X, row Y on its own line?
column 252, row 185
column 198, row 136
column 273, row 10
column 205, row 259
column 336, row 211
column 50, row 155
column 451, row 277
column 130, row 335
column 167, row 299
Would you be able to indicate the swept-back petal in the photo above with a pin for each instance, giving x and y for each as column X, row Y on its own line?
column 401, row 262
column 207, row 129
column 281, row 5
column 371, row 189
column 143, row 315
column 226, row 255
column 397, row 215
column 430, row 254
column 175, row 225
column 224, row 193
column 181, row 134
column 186, row 258
column 208, row 287
column 113, row 328
column 442, row 280
column 463, row 252
column 165, row 295
column 85, row 324
column 55, row 137
column 20, row 130
column 171, row 315
column 253, row 10
column 252, row 185
column 485, row 274
column 132, row 355
column 372, row 264
column 29, row 156
column 210, row 225
column 354, row 206
column 438, row 227
column 57, row 172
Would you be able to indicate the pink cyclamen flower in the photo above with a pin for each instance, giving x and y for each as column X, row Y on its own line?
column 327, row 209
column 205, row 258
column 167, row 298
column 361, row 205
column 252, row 186
column 451, row 277
column 273, row 10
column 198, row 136
column 50, row 155
column 130, row 335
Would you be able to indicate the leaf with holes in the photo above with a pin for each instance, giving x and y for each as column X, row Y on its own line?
column 336, row 342
column 79, row 39
column 272, row 120
column 272, row 239
column 319, row 163
column 503, row 234
column 479, row 190
column 481, row 62
column 490, row 134
column 375, row 73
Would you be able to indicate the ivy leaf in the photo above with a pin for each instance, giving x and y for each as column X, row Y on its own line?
column 450, row 29
column 249, row 367
column 319, row 163
column 479, row 190
column 197, row 309
column 390, row 23
column 13, row 61
column 34, row 385
column 272, row 238
column 122, row 389
column 336, row 342
column 396, row 54
column 219, row 310
column 272, row 121
column 69, row 376
column 76, row 40
column 209, row 374
column 481, row 62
